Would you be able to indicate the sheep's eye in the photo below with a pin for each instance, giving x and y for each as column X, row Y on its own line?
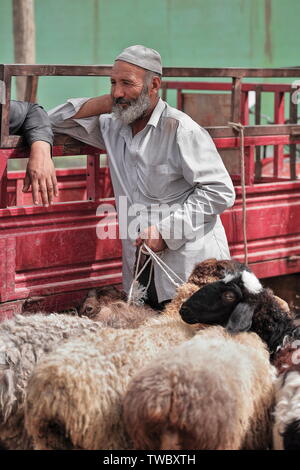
column 229, row 296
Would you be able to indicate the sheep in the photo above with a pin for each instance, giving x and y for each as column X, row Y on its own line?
column 130, row 348
column 91, row 375
column 286, row 430
column 240, row 303
column 212, row 392
column 99, row 297
column 108, row 305
column 23, row 340
column 26, row 338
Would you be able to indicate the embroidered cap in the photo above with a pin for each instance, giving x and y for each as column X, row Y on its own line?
column 142, row 56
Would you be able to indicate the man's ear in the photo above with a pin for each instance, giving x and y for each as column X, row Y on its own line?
column 241, row 318
column 156, row 84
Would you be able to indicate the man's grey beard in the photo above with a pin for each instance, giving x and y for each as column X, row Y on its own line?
column 136, row 108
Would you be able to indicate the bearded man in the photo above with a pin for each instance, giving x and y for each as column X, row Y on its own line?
column 162, row 163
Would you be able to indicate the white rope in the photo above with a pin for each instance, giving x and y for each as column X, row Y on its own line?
column 163, row 265
column 137, row 275
column 153, row 256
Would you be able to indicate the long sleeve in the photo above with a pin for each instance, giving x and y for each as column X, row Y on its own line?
column 86, row 130
column 31, row 121
column 212, row 189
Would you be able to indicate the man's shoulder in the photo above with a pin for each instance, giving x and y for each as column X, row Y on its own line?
column 183, row 120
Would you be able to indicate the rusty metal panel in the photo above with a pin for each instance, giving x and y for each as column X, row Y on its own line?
column 210, row 110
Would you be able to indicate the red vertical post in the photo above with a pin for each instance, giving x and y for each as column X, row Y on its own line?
column 279, row 119
column 249, row 165
column 179, row 100
column 93, row 189
column 245, row 108
column 3, row 179
column 19, row 192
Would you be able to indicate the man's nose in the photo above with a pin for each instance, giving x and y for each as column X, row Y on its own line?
column 118, row 92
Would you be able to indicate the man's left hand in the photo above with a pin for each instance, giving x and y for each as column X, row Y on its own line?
column 40, row 174
column 152, row 238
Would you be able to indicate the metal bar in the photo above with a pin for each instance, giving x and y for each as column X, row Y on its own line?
column 279, row 119
column 31, row 89
column 3, row 182
column 245, row 109
column 92, row 178
column 258, row 163
column 104, row 70
column 293, row 148
column 4, row 108
column 265, row 87
column 236, row 100
column 164, row 91
column 179, row 100
column 249, row 165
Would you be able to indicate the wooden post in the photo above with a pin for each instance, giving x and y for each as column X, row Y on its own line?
column 24, row 39
column 293, row 151
column 236, row 99
column 278, row 149
column 258, row 162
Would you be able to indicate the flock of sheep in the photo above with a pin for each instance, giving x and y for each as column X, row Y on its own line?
column 217, row 369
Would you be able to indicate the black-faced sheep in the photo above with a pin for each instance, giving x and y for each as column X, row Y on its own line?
column 240, row 303
column 212, row 392
column 286, row 431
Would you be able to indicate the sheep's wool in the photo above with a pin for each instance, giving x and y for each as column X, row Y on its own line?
column 251, row 282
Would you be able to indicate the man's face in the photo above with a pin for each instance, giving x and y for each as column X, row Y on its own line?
column 130, row 94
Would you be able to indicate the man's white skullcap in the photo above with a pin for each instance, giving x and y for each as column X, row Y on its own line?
column 142, row 56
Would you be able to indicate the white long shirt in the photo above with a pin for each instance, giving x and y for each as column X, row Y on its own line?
column 171, row 161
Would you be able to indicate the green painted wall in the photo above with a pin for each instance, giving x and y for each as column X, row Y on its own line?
column 210, row 33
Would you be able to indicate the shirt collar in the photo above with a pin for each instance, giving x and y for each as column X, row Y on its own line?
column 156, row 113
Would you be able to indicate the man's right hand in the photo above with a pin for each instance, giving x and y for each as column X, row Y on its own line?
column 40, row 174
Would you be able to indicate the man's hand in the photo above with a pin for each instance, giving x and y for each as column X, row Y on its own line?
column 152, row 238
column 40, row 173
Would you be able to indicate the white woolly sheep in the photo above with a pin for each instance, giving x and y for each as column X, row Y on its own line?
column 212, row 392
column 23, row 340
column 91, row 375
column 99, row 371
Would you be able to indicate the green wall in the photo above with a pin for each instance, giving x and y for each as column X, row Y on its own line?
column 209, row 33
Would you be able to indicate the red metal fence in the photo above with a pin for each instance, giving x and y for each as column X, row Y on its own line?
column 49, row 257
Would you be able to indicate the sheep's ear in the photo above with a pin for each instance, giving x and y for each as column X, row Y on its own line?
column 241, row 318
column 92, row 293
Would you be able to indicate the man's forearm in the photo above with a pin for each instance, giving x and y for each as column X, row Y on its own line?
column 95, row 106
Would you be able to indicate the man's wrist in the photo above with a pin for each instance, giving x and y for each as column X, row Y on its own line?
column 40, row 148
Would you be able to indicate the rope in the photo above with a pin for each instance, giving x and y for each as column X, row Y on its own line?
column 163, row 265
column 153, row 257
column 238, row 127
